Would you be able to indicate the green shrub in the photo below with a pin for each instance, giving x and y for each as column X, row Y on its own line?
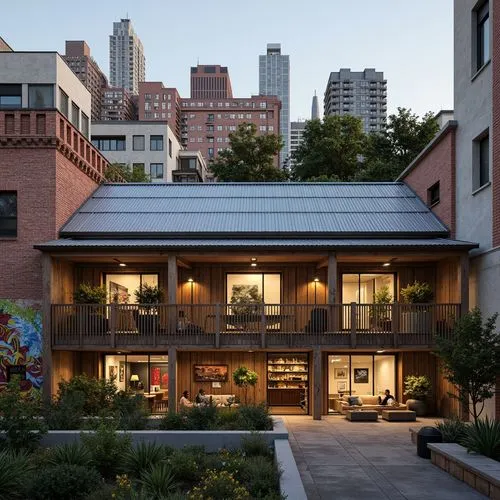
column 106, row 448
column 453, row 430
column 255, row 445
column 417, row 386
column 90, row 294
column 157, row 481
column 201, row 418
column 66, row 413
column 228, row 419
column 173, row 422
column 70, row 454
column 98, row 394
column 64, row 482
column 14, row 469
column 20, row 426
column 131, row 413
column 184, row 466
column 219, row 486
column 259, row 476
column 417, row 293
column 484, row 437
column 144, row 456
column 255, row 417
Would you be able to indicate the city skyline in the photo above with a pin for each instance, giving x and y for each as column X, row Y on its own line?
column 368, row 42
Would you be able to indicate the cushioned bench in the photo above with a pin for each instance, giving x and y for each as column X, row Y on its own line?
column 399, row 415
column 362, row 415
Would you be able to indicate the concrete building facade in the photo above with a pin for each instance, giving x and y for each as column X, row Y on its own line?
column 358, row 93
column 42, row 80
column 274, row 80
column 78, row 58
column 147, row 146
column 127, row 63
column 296, row 135
column 210, row 82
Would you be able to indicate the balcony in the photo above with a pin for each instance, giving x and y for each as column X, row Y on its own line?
column 244, row 326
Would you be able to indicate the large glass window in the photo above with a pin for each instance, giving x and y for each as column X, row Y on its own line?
column 64, row 102
column 41, row 96
column 121, row 287
column 360, row 375
column 138, row 143
column 156, row 170
column 363, row 288
column 10, row 96
column 8, row 213
column 109, row 143
column 156, row 143
column 254, row 287
column 75, row 115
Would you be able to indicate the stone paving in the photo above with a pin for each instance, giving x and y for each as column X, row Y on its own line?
column 339, row 459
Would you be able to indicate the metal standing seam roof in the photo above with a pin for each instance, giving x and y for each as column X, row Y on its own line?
column 232, row 210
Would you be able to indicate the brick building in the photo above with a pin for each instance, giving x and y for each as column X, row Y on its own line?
column 87, row 70
column 210, row 82
column 118, row 104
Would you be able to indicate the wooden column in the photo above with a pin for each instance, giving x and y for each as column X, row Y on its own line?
column 332, row 279
column 317, row 392
column 463, row 283
column 46, row 327
column 172, row 379
column 172, row 280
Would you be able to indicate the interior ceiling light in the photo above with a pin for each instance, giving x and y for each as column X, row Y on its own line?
column 254, row 264
column 190, row 280
column 380, row 351
column 253, row 259
column 389, row 262
column 120, row 263
column 316, row 279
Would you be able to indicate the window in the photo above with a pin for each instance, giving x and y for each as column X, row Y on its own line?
column 8, row 213
column 481, row 161
column 210, row 152
column 433, row 194
column 138, row 143
column 170, row 148
column 41, row 96
column 10, row 96
column 75, row 115
column 483, row 35
column 188, row 163
column 156, row 143
column 109, row 143
column 156, row 170
column 85, row 125
column 63, row 102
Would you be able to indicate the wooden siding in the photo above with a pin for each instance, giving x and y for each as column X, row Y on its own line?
column 256, row 361
column 67, row 364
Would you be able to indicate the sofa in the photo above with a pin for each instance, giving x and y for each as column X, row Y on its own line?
column 369, row 403
column 220, row 400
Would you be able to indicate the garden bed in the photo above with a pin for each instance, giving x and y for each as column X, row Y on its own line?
column 478, row 471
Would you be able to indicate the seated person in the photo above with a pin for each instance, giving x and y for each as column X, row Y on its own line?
column 201, row 399
column 386, row 401
column 184, row 401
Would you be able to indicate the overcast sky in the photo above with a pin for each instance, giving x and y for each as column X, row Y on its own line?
column 410, row 41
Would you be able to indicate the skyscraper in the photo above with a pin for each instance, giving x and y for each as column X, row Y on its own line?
column 315, row 107
column 274, row 79
column 210, row 82
column 127, row 64
column 358, row 93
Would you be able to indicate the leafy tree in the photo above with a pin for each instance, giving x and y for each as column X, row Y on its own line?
column 330, row 149
column 249, row 158
column 471, row 360
column 389, row 152
column 244, row 377
column 117, row 172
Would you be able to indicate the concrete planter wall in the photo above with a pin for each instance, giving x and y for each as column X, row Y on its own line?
column 211, row 440
column 478, row 471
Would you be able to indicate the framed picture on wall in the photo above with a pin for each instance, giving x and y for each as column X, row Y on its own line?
column 112, row 371
column 121, row 373
column 360, row 375
column 210, row 373
column 341, row 386
column 341, row 373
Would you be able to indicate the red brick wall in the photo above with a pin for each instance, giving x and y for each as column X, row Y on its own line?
column 438, row 165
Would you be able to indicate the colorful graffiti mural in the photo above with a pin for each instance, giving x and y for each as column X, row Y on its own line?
column 20, row 344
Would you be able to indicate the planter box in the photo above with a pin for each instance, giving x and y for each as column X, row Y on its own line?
column 211, row 440
column 478, row 471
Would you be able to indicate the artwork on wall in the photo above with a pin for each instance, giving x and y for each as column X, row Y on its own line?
column 112, row 372
column 360, row 375
column 21, row 343
column 210, row 373
column 341, row 386
column 155, row 375
column 121, row 376
column 341, row 373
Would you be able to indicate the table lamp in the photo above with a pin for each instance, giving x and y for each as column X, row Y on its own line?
column 135, row 379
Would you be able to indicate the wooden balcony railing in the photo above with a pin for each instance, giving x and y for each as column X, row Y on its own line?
column 157, row 327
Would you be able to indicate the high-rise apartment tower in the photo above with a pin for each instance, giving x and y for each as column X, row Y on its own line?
column 127, row 64
column 358, row 93
column 274, row 79
column 210, row 82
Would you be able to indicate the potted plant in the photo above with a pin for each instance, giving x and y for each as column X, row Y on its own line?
column 380, row 312
column 416, row 320
column 146, row 316
column 96, row 316
column 418, row 388
column 243, row 378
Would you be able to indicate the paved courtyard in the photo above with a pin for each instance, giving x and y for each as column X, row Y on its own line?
column 338, row 459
